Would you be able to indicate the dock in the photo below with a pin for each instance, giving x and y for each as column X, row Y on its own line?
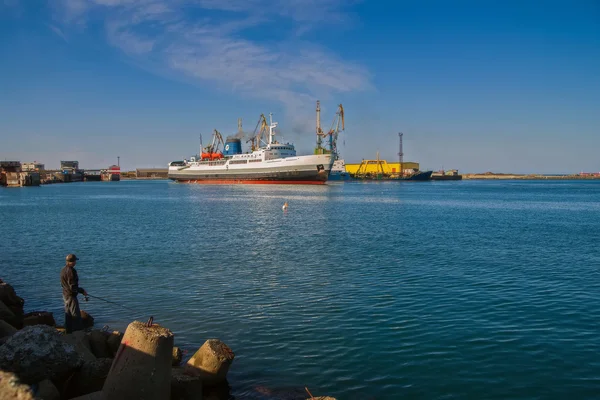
column 12, row 175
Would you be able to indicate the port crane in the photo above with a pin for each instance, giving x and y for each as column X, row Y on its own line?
column 333, row 132
column 212, row 150
column 261, row 128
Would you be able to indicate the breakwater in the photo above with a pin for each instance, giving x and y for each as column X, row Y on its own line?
column 39, row 360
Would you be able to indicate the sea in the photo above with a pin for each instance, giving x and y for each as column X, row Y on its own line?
column 359, row 290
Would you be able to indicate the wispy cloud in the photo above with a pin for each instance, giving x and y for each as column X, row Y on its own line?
column 58, row 31
column 205, row 40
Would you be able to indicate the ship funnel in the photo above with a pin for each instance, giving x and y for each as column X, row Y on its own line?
column 232, row 146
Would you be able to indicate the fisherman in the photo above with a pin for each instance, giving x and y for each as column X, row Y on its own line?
column 70, row 288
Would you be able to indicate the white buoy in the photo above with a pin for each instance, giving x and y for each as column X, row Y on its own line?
column 285, row 206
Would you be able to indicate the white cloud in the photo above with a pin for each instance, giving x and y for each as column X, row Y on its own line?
column 203, row 40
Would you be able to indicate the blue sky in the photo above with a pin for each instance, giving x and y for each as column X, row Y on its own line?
column 507, row 86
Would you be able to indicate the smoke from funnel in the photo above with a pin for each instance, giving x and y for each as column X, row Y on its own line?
column 239, row 135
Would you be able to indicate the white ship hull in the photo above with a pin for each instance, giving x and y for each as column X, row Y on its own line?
column 313, row 169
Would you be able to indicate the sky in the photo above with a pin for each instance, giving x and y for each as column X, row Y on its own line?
column 502, row 86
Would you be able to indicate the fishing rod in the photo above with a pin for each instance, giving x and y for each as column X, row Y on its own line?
column 108, row 301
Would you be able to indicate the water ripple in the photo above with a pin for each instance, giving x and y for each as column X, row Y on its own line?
column 383, row 290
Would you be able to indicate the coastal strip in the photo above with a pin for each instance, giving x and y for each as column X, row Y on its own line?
column 500, row 176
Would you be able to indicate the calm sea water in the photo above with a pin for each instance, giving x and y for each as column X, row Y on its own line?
column 431, row 290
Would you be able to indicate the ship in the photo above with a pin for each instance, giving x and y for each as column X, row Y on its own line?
column 338, row 171
column 379, row 169
column 442, row 175
column 267, row 162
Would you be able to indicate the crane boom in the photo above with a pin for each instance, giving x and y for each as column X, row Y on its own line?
column 335, row 130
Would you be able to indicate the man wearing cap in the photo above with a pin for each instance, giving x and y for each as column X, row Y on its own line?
column 70, row 287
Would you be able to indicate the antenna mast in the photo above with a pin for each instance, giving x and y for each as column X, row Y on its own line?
column 400, row 153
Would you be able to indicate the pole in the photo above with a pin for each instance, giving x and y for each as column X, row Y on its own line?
column 118, row 161
column 400, row 154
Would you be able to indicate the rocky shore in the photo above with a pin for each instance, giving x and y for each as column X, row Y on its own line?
column 38, row 360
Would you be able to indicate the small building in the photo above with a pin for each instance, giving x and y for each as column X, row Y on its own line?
column 33, row 166
column 71, row 166
column 152, row 173
column 12, row 175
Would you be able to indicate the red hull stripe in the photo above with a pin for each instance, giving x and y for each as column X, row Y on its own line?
column 251, row 182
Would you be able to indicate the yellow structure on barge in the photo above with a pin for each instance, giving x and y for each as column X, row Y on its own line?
column 381, row 167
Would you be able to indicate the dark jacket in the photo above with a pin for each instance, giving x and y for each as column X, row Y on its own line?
column 70, row 282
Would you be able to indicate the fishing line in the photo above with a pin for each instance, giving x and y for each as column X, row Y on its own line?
column 111, row 302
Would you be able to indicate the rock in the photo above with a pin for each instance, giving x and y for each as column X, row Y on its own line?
column 82, row 345
column 211, row 361
column 185, row 386
column 113, row 342
column 91, row 396
column 12, row 388
column 39, row 318
column 7, row 315
column 89, row 378
column 98, row 342
column 5, row 312
column 9, row 297
column 142, row 366
column 177, row 356
column 47, row 391
column 321, row 398
column 6, row 329
column 88, row 320
column 36, row 353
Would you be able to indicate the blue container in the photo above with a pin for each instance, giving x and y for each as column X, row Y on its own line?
column 232, row 146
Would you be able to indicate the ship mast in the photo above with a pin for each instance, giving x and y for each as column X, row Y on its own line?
column 272, row 125
column 319, row 130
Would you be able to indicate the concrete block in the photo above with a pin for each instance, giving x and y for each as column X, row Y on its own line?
column 39, row 318
column 185, row 386
column 142, row 366
column 6, row 329
column 12, row 388
column 98, row 343
column 87, row 319
column 113, row 342
column 47, row 391
column 81, row 343
column 9, row 297
column 89, row 378
column 6, row 313
column 92, row 396
column 177, row 356
column 211, row 361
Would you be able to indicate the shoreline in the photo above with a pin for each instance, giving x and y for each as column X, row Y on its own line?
column 39, row 360
column 499, row 176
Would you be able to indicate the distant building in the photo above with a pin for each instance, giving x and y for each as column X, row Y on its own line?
column 33, row 166
column 152, row 173
column 69, row 165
